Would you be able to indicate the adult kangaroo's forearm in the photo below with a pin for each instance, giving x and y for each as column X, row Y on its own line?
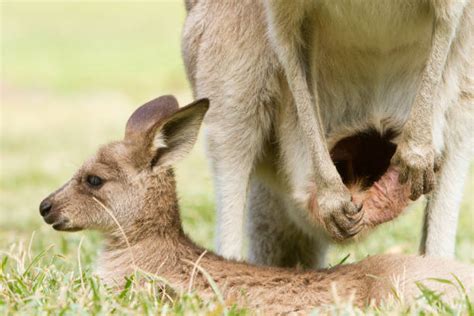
column 422, row 111
column 328, row 200
column 416, row 156
column 285, row 32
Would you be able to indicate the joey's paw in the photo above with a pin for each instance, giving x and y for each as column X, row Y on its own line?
column 341, row 217
column 417, row 166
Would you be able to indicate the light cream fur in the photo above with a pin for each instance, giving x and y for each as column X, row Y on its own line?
column 288, row 81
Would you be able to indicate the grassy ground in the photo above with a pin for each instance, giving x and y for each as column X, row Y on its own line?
column 71, row 75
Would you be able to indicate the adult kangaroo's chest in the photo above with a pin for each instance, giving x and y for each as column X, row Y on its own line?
column 365, row 59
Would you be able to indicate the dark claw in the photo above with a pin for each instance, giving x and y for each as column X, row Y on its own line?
column 429, row 184
column 403, row 177
column 359, row 219
column 339, row 229
column 356, row 218
column 347, row 233
column 437, row 164
column 354, row 232
column 415, row 195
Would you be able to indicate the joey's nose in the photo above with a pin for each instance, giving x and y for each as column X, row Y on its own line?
column 45, row 207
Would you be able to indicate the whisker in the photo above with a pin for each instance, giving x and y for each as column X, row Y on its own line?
column 121, row 230
column 193, row 273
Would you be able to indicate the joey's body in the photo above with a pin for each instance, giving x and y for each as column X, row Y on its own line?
column 366, row 65
column 271, row 289
column 128, row 192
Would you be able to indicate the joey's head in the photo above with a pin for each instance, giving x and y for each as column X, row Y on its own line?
column 130, row 182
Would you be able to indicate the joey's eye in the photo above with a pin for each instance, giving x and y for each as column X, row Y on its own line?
column 94, row 181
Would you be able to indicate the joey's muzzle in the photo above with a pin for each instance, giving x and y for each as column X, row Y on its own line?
column 54, row 216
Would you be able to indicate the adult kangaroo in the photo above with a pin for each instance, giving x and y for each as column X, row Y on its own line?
column 310, row 97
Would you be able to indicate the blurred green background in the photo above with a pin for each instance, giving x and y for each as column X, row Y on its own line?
column 72, row 72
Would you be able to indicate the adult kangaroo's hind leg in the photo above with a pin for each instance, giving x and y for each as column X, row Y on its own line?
column 334, row 209
column 453, row 123
column 274, row 240
column 442, row 210
column 233, row 145
column 234, row 67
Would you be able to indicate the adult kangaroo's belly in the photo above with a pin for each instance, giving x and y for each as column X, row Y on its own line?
column 366, row 60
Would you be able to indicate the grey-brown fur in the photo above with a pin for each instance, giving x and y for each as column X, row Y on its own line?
column 139, row 190
column 288, row 81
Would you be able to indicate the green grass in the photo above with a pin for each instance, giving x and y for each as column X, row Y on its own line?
column 71, row 75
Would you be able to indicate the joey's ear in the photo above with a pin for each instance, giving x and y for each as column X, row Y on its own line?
column 144, row 121
column 160, row 132
column 175, row 138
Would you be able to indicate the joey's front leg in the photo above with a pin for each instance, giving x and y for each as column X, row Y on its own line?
column 415, row 155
